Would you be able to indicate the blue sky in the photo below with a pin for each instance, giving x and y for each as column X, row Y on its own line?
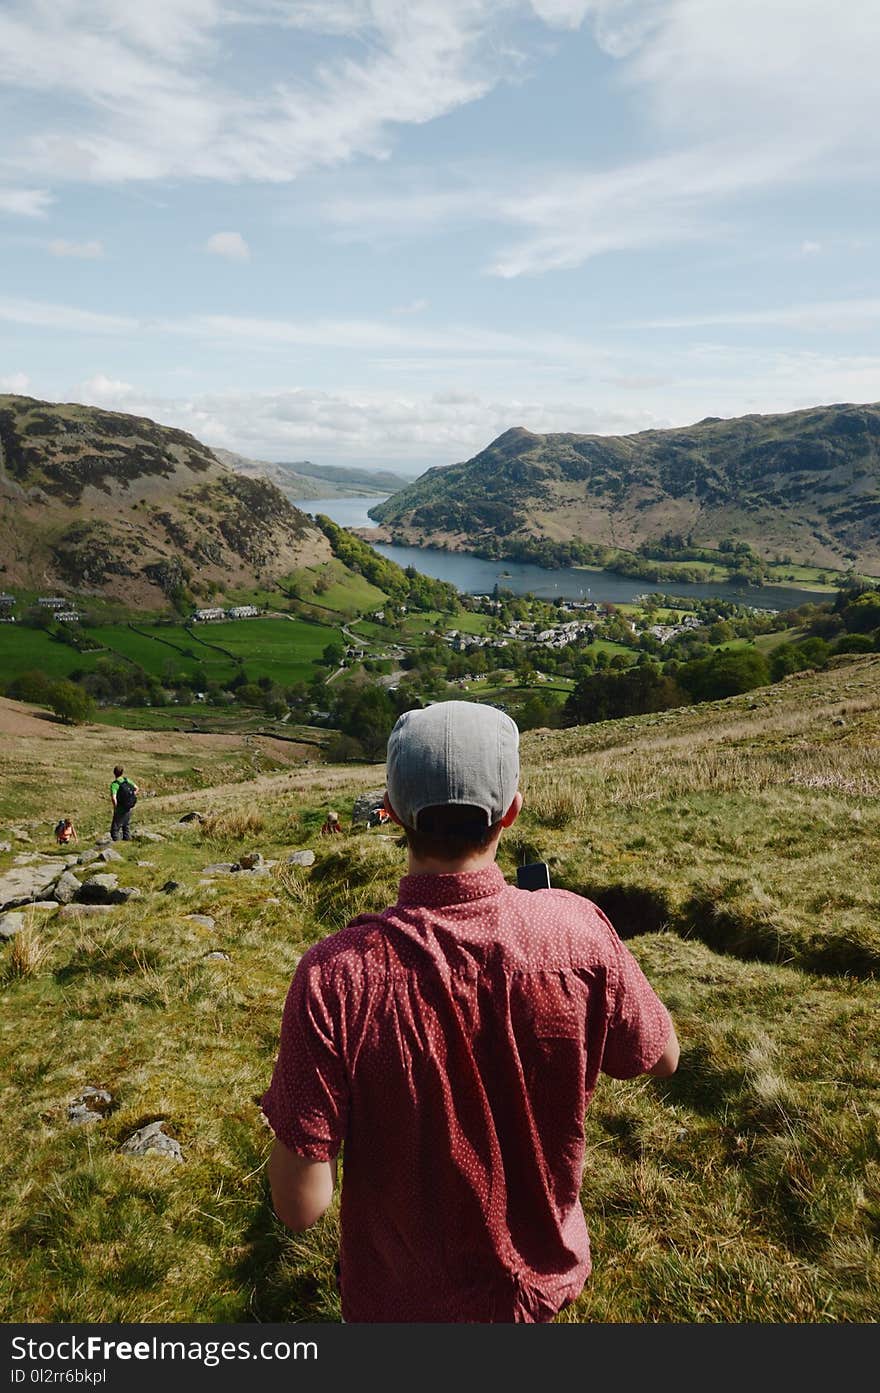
column 383, row 231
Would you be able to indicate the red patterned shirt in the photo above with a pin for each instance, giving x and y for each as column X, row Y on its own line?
column 453, row 1043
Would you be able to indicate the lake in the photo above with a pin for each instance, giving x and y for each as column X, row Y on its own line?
column 475, row 576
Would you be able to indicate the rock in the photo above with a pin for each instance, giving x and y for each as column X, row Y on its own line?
column 203, row 920
column 220, row 868
column 108, row 854
column 193, row 817
column 838, row 721
column 67, row 887
column 366, row 804
column 90, row 1106
column 23, row 884
column 10, row 925
column 80, row 911
column 251, row 860
column 217, row 956
column 71, row 861
column 273, row 899
column 145, row 863
column 125, row 893
column 104, row 840
column 142, row 834
column 152, row 1138
column 43, row 904
column 301, row 858
column 170, row 886
column 19, row 835
column 88, row 857
column 5, row 846
column 97, row 890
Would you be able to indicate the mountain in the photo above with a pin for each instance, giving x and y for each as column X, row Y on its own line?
column 806, row 483
column 101, row 503
column 303, row 480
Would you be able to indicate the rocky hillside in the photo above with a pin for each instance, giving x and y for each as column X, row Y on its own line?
column 805, row 484
column 96, row 502
column 303, row 480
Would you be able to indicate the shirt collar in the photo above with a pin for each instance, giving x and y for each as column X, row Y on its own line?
column 433, row 891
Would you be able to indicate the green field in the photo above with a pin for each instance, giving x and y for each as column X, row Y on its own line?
column 25, row 650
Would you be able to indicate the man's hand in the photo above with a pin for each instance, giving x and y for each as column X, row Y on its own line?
column 668, row 1062
column 301, row 1189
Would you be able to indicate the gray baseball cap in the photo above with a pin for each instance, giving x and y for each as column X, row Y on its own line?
column 453, row 752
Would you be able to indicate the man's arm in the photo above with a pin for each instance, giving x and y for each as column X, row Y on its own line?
column 668, row 1062
column 301, row 1189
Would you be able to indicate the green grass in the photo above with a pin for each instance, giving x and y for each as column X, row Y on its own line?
column 23, row 650
column 283, row 649
column 334, row 587
column 721, row 840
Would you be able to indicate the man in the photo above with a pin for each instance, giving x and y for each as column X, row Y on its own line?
column 123, row 796
column 453, row 1043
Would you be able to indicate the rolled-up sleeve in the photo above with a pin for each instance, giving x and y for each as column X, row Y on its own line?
column 307, row 1101
column 639, row 1024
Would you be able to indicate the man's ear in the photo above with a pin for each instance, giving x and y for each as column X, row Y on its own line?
column 390, row 811
column 513, row 811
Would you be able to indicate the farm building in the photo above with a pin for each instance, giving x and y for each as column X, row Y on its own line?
column 214, row 613
column 242, row 612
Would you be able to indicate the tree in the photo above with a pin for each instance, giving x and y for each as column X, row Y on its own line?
column 71, row 703
column 725, row 674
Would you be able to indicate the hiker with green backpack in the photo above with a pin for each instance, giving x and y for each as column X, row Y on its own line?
column 123, row 795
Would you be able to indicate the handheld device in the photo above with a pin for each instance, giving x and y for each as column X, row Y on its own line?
column 535, row 876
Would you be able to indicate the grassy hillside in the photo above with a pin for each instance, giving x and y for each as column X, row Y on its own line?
column 99, row 503
column 733, row 844
column 806, row 483
column 302, row 480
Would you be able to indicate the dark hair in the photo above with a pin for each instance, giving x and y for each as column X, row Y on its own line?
column 117, row 770
column 449, row 831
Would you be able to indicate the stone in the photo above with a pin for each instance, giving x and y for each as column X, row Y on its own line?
column 220, row 868
column 203, row 920
column 18, row 834
column 251, row 860
column 301, row 858
column 124, row 893
column 5, row 846
column 71, row 861
column 81, row 911
column 366, row 804
column 67, row 887
column 108, row 854
column 145, row 863
column 217, row 956
column 22, row 884
column 43, row 904
column 88, row 857
column 143, row 834
column 104, row 840
column 152, row 1138
column 192, row 817
column 272, row 899
column 90, row 1106
column 170, row 886
column 98, row 889
column 10, row 925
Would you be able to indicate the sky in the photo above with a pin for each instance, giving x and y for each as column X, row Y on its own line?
column 381, row 232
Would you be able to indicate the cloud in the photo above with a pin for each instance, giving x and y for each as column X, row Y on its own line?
column 39, row 314
column 230, row 245
column 25, row 203
column 829, row 316
column 17, row 382
column 85, row 251
column 413, row 307
column 810, row 248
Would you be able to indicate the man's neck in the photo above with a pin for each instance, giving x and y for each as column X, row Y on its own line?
column 427, row 865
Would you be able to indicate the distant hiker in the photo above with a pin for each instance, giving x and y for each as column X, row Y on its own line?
column 452, row 1043
column 331, row 826
column 65, row 832
column 123, row 796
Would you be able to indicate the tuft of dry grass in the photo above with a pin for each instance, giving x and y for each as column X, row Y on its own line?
column 25, row 956
column 233, row 825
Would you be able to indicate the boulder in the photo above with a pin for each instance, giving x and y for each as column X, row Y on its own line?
column 251, row 860
column 18, row 834
column 217, row 956
column 67, row 887
column 23, row 884
column 43, row 904
column 90, row 1106
column 366, row 805
column 10, row 925
column 193, row 817
column 220, row 868
column 82, row 911
column 104, row 840
column 301, row 858
column 204, row 921
column 152, row 1138
column 88, row 857
column 143, row 834
column 170, row 886
column 124, row 893
column 108, row 854
column 98, row 889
